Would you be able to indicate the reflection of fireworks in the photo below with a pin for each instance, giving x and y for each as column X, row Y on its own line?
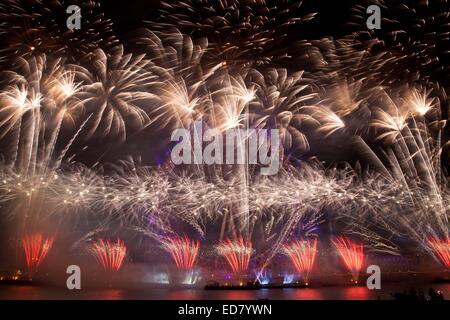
column 36, row 248
column 352, row 254
column 302, row 255
column 237, row 253
column 109, row 255
column 184, row 251
column 441, row 249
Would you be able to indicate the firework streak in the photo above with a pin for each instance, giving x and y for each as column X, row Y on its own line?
column 237, row 252
column 109, row 255
column 36, row 248
column 184, row 251
column 441, row 249
column 302, row 254
column 352, row 254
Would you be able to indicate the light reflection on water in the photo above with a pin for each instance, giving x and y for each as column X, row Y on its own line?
column 324, row 293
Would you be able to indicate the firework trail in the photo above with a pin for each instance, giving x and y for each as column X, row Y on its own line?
column 441, row 250
column 242, row 32
column 302, row 254
column 414, row 40
column 184, row 251
column 116, row 90
column 279, row 97
column 237, row 253
column 109, row 255
column 36, row 248
column 352, row 254
column 40, row 97
column 182, row 81
column 31, row 28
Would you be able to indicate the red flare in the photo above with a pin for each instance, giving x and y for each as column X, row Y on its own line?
column 352, row 255
column 36, row 248
column 237, row 253
column 302, row 254
column 184, row 251
column 109, row 255
column 441, row 249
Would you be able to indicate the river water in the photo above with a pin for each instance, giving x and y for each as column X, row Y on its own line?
column 321, row 293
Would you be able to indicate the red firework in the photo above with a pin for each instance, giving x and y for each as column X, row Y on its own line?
column 184, row 251
column 109, row 255
column 237, row 253
column 302, row 255
column 36, row 248
column 441, row 249
column 352, row 255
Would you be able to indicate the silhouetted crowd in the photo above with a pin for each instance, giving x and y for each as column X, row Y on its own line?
column 414, row 294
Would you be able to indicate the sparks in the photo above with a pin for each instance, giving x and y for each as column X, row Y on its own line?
column 110, row 256
column 36, row 248
column 302, row 255
column 237, row 253
column 352, row 254
column 184, row 251
column 441, row 249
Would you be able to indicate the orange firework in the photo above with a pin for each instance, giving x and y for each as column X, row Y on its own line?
column 184, row 251
column 352, row 255
column 302, row 255
column 109, row 255
column 36, row 248
column 237, row 253
column 441, row 249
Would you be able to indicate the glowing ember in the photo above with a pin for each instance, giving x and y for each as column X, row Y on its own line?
column 184, row 251
column 237, row 253
column 352, row 255
column 109, row 255
column 441, row 249
column 302, row 255
column 36, row 248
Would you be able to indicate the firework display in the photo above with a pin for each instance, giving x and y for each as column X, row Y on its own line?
column 87, row 122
